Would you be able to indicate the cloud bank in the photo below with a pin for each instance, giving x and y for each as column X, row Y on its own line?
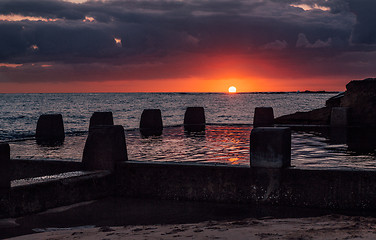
column 55, row 40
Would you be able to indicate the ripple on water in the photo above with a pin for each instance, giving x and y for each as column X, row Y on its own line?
column 221, row 144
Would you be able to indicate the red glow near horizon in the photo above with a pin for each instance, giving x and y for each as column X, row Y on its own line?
column 176, row 85
column 213, row 74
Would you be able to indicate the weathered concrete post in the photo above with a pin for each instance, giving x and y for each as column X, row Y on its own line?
column 104, row 147
column 270, row 147
column 4, row 167
column 50, row 129
column 263, row 117
column 151, row 122
column 339, row 116
column 101, row 118
column 194, row 119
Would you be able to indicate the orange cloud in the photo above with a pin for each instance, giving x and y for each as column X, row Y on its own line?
column 18, row 18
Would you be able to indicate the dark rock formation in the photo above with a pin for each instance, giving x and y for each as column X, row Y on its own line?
column 339, row 117
column 335, row 101
column 101, row 118
column 151, row 122
column 359, row 98
column 319, row 116
column 50, row 129
column 194, row 119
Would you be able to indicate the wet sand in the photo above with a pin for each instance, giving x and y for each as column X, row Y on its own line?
column 325, row 227
column 116, row 218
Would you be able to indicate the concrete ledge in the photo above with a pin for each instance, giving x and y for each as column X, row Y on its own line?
column 330, row 189
column 327, row 189
column 35, row 168
column 182, row 181
column 37, row 194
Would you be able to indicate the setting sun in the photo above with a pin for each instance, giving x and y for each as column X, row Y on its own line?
column 232, row 89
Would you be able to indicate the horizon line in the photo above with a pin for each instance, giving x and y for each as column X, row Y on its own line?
column 298, row 91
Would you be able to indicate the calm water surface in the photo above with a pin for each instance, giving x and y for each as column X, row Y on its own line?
column 20, row 112
column 225, row 141
column 219, row 145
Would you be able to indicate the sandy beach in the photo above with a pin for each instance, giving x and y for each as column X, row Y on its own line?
column 325, row 227
column 123, row 218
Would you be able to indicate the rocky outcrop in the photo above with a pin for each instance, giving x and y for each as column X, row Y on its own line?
column 359, row 98
column 319, row 116
column 335, row 101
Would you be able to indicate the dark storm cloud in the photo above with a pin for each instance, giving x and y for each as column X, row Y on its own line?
column 153, row 31
column 364, row 31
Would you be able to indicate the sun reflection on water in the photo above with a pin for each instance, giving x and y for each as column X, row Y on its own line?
column 218, row 145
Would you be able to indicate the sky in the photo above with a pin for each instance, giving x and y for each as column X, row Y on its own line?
column 185, row 45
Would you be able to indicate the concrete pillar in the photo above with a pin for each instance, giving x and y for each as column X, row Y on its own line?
column 50, row 129
column 270, row 147
column 263, row 117
column 104, row 147
column 151, row 122
column 5, row 174
column 101, row 118
column 194, row 119
column 339, row 117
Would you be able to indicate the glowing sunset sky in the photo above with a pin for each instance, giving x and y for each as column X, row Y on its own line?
column 185, row 45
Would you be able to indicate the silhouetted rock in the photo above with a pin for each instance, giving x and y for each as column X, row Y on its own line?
column 151, row 122
column 339, row 117
column 104, row 147
column 319, row 116
column 101, row 118
column 360, row 97
column 4, row 167
column 194, row 119
column 50, row 129
column 263, row 117
column 335, row 101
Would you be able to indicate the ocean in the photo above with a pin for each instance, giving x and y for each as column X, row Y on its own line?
column 20, row 112
column 225, row 142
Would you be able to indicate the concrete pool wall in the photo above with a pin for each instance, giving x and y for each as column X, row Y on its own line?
column 324, row 189
column 40, row 185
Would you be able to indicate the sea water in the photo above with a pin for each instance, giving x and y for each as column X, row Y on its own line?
column 19, row 113
column 225, row 141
